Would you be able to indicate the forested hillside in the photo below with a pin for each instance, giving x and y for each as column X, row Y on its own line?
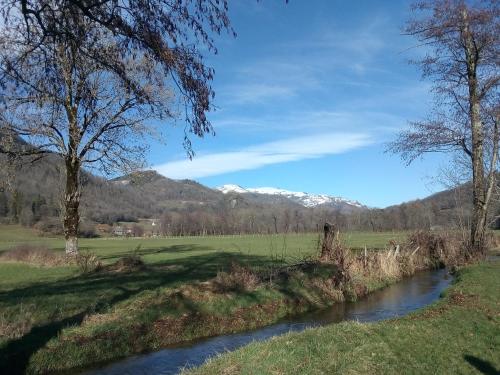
column 187, row 207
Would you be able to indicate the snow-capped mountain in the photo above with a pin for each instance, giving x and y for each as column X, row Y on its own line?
column 232, row 189
column 305, row 199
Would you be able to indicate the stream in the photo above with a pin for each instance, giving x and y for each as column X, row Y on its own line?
column 396, row 300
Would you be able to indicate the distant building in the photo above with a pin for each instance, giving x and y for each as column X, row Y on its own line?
column 118, row 231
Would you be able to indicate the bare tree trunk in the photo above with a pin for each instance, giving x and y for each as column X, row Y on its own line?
column 478, row 223
column 479, row 202
column 327, row 245
column 71, row 205
column 491, row 179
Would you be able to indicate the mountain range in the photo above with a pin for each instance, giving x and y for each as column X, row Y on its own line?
column 229, row 208
column 302, row 198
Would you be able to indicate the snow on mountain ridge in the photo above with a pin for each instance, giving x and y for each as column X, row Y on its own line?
column 231, row 188
column 306, row 199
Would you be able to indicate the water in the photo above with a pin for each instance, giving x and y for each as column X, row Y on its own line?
column 396, row 300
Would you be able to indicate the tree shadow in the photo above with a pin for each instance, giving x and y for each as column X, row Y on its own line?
column 160, row 274
column 97, row 292
column 15, row 356
column 173, row 249
column 481, row 365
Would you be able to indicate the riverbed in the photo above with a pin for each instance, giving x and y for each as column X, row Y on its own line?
column 393, row 301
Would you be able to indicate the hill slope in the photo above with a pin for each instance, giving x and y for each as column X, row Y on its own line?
column 191, row 208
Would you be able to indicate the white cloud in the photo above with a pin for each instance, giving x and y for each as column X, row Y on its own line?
column 364, row 121
column 253, row 157
column 253, row 93
column 317, row 61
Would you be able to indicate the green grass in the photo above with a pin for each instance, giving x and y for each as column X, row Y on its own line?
column 43, row 310
column 39, row 305
column 460, row 334
column 194, row 258
column 62, row 291
column 288, row 245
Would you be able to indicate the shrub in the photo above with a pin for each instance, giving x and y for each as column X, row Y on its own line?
column 50, row 225
column 430, row 244
column 492, row 240
column 38, row 255
column 86, row 230
column 129, row 263
column 239, row 278
column 137, row 230
column 88, row 262
column 17, row 323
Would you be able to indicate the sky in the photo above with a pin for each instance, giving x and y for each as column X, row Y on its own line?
column 308, row 95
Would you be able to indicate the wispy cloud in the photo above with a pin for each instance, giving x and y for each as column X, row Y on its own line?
column 322, row 57
column 253, row 157
column 258, row 92
column 365, row 121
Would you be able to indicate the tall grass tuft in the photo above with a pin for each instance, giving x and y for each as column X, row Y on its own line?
column 88, row 262
column 239, row 278
column 422, row 250
column 36, row 255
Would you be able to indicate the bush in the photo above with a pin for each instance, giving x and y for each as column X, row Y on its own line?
column 238, row 279
column 137, row 230
column 50, row 226
column 431, row 244
column 86, row 230
column 129, row 263
column 35, row 255
column 88, row 262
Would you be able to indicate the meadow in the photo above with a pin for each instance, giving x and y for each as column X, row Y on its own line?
column 41, row 304
column 218, row 251
column 55, row 318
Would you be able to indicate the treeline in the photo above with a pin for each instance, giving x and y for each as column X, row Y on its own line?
column 43, row 214
column 16, row 208
column 407, row 216
column 188, row 208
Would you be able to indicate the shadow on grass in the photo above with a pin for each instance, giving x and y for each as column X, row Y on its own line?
column 16, row 354
column 159, row 274
column 482, row 366
column 99, row 291
column 173, row 249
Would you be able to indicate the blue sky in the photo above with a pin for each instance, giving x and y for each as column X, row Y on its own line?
column 307, row 97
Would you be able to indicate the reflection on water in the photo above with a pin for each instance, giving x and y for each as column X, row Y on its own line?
column 393, row 301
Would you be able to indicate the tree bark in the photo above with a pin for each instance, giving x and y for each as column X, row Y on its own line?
column 327, row 245
column 478, row 222
column 479, row 201
column 71, row 205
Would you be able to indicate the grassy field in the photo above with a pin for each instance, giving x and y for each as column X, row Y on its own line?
column 214, row 253
column 39, row 305
column 458, row 335
column 58, row 318
column 59, row 291
column 201, row 257
column 11, row 235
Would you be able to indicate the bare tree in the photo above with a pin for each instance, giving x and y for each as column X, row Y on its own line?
column 462, row 44
column 85, row 80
